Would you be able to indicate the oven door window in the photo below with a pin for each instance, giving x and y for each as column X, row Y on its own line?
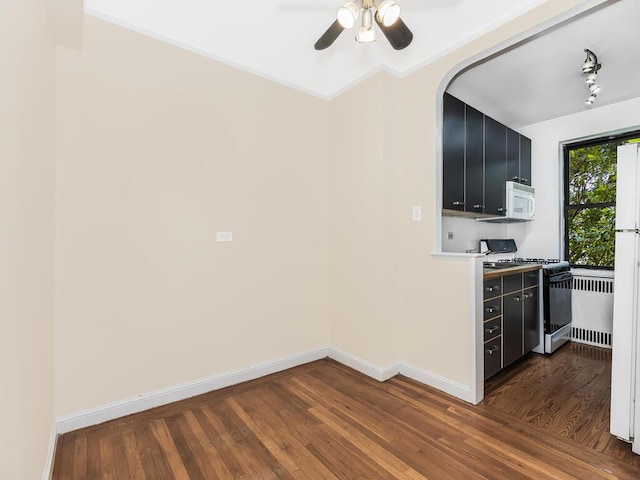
column 559, row 304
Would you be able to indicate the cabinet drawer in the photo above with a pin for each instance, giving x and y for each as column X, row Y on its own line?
column 492, row 328
column 492, row 288
column 492, row 357
column 492, row 308
column 512, row 283
column 531, row 279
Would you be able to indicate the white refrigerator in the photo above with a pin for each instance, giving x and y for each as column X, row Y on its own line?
column 625, row 373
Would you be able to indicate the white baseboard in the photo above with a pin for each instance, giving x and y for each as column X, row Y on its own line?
column 463, row 392
column 94, row 416
column 47, row 473
column 363, row 366
column 165, row 396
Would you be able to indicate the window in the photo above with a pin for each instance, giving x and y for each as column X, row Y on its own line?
column 590, row 200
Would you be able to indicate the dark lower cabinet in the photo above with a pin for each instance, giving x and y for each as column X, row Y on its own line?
column 512, row 329
column 511, row 319
column 492, row 357
column 531, row 321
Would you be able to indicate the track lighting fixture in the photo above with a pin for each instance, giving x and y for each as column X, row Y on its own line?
column 590, row 67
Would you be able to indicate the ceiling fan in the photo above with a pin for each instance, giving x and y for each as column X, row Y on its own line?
column 386, row 14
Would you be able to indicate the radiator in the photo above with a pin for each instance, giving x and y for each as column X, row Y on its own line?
column 592, row 310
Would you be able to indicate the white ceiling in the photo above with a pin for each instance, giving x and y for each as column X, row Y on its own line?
column 275, row 38
column 542, row 78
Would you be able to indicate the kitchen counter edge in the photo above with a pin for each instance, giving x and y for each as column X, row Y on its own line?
column 489, row 273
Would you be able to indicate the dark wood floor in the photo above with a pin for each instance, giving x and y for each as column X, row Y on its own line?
column 567, row 393
column 325, row 421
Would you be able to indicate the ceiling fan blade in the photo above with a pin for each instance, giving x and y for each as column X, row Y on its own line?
column 329, row 36
column 398, row 34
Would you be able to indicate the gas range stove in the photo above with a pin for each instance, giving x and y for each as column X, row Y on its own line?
column 501, row 254
column 547, row 263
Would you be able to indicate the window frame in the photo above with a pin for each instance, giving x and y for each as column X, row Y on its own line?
column 566, row 148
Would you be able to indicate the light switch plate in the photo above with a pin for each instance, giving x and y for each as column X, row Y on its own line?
column 224, row 237
column 416, row 213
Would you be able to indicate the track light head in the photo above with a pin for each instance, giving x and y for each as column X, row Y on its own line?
column 589, row 101
column 590, row 64
column 595, row 89
column 591, row 79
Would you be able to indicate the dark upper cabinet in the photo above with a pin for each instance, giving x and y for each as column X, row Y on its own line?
column 518, row 157
column 525, row 160
column 453, row 153
column 479, row 155
column 474, row 135
column 495, row 151
column 513, row 155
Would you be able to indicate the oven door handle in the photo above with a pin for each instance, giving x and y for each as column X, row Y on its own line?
column 562, row 277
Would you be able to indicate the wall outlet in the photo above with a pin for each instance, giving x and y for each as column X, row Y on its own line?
column 224, row 237
column 449, row 235
column 416, row 213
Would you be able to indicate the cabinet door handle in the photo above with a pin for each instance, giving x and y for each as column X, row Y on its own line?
column 524, row 180
column 458, row 204
column 492, row 329
column 492, row 350
column 493, row 308
column 492, row 289
column 528, row 295
column 515, row 179
column 517, row 299
column 478, row 206
column 500, row 210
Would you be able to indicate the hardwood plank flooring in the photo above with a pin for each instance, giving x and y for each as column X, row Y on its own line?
column 567, row 393
column 325, row 421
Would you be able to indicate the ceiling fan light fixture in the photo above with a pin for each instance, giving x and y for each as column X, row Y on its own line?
column 348, row 14
column 388, row 12
column 366, row 33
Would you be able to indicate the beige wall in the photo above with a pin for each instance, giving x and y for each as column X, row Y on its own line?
column 158, row 149
column 390, row 299
column 27, row 148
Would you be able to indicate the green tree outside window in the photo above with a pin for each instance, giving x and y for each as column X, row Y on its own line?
column 590, row 203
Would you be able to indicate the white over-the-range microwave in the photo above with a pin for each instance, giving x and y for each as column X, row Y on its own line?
column 520, row 204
